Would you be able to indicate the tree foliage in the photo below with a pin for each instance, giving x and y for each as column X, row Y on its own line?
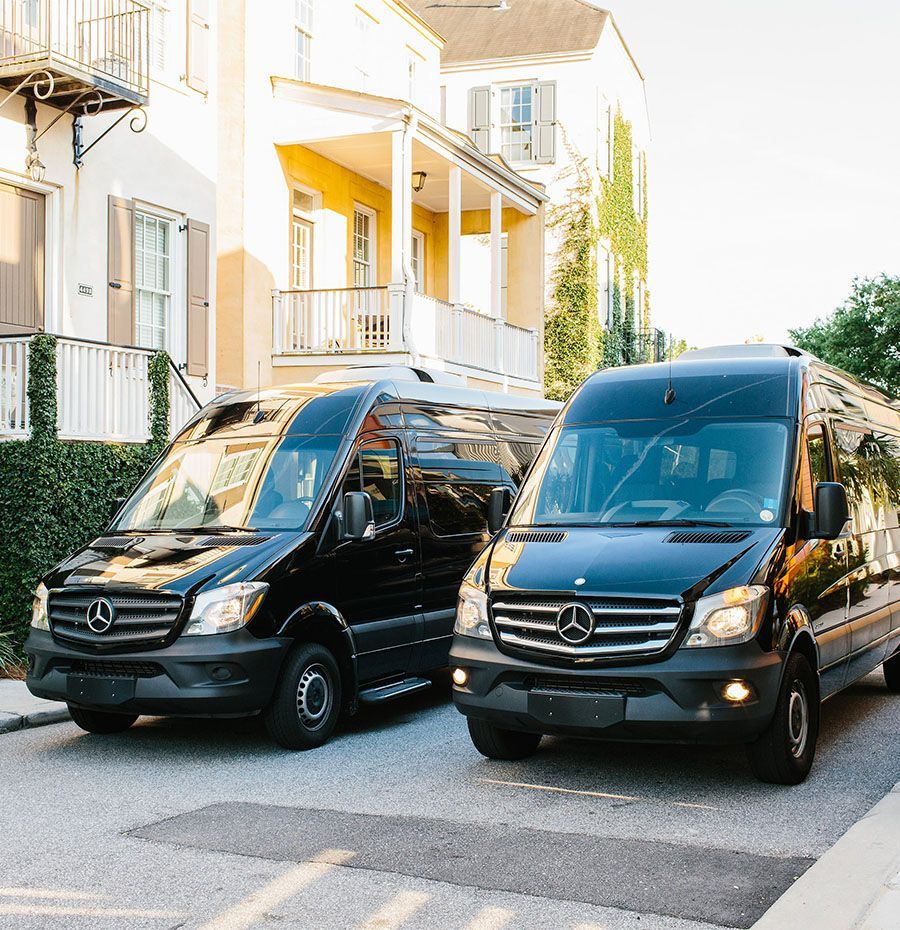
column 863, row 335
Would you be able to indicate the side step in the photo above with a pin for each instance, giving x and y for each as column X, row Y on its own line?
column 393, row 690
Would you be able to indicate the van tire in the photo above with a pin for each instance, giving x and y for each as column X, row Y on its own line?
column 495, row 743
column 783, row 754
column 891, row 669
column 307, row 702
column 101, row 721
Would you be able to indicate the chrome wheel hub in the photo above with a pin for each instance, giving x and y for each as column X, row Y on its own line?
column 314, row 696
column 798, row 719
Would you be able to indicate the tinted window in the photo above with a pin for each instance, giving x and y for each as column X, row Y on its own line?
column 458, row 475
column 515, row 459
column 813, row 466
column 376, row 469
column 870, row 470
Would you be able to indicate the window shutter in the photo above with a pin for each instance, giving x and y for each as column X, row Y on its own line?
column 120, row 272
column 198, row 299
column 197, row 73
column 480, row 117
column 22, row 273
column 545, row 130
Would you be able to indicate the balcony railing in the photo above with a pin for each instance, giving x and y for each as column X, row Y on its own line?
column 102, row 393
column 84, row 45
column 354, row 321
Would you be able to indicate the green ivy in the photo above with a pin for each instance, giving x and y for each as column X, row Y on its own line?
column 56, row 495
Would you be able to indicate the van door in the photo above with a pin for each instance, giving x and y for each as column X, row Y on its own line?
column 375, row 582
column 868, row 471
column 456, row 473
column 817, row 569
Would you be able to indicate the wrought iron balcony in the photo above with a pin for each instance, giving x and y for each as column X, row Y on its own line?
column 94, row 53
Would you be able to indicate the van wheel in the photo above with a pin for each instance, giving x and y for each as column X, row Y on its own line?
column 891, row 669
column 783, row 754
column 495, row 743
column 100, row 721
column 307, row 701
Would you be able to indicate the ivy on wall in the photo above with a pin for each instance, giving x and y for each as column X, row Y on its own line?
column 575, row 343
column 56, row 495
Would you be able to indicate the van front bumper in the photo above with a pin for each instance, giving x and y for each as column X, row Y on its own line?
column 675, row 700
column 229, row 674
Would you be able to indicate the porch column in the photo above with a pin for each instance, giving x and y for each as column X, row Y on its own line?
column 455, row 233
column 401, row 230
column 496, row 254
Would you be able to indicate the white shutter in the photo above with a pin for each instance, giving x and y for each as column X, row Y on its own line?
column 480, row 117
column 545, row 126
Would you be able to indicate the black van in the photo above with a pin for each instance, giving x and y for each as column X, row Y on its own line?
column 700, row 553
column 294, row 551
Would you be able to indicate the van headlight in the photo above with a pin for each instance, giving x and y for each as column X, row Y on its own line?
column 471, row 613
column 225, row 609
column 728, row 618
column 39, row 619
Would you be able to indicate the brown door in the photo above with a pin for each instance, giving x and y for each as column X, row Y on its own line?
column 22, row 233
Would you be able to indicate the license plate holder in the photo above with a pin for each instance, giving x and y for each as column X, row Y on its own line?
column 84, row 689
column 577, row 710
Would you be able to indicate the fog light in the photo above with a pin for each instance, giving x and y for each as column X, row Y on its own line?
column 460, row 677
column 736, row 691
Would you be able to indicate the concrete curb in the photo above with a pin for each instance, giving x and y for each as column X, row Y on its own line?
column 855, row 885
column 20, row 710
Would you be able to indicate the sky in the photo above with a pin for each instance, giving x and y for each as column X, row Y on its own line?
column 774, row 172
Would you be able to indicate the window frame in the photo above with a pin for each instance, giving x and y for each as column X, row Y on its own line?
column 418, row 239
column 362, row 442
column 303, row 32
column 172, row 294
column 372, row 263
column 532, row 123
column 309, row 217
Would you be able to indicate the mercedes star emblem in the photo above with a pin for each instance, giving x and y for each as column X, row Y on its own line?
column 575, row 623
column 100, row 615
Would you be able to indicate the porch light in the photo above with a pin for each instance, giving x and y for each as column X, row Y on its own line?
column 34, row 166
column 418, row 180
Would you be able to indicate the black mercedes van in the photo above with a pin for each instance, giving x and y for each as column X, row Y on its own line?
column 294, row 551
column 702, row 552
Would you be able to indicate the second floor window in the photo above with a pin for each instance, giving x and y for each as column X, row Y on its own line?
column 363, row 27
column 516, row 123
column 303, row 26
column 517, row 120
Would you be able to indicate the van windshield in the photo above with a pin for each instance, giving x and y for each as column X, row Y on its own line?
column 266, row 483
column 658, row 472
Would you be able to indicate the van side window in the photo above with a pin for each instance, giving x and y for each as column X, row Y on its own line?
column 515, row 457
column 870, row 471
column 377, row 471
column 813, row 466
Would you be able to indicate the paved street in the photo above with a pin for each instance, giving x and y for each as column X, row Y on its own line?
column 400, row 823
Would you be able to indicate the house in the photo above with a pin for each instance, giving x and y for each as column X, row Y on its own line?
column 107, row 207
column 543, row 84
column 346, row 205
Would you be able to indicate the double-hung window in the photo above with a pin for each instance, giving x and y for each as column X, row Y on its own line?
column 517, row 120
column 153, row 271
column 302, row 238
column 418, row 260
column 363, row 247
column 363, row 25
column 303, row 26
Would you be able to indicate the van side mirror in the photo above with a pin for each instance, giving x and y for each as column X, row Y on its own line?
column 498, row 507
column 359, row 516
column 115, row 505
column 832, row 510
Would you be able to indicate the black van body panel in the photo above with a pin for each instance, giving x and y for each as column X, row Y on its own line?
column 837, row 601
column 385, row 606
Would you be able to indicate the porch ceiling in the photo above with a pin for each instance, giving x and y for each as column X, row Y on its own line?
column 370, row 156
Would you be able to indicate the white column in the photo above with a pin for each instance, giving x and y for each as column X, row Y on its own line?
column 496, row 254
column 400, row 179
column 454, row 233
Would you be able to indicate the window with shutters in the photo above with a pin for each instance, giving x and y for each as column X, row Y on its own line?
column 303, row 215
column 418, row 260
column 363, row 247
column 303, row 26
column 153, row 280
column 518, row 120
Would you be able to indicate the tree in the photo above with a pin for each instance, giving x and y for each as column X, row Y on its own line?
column 863, row 335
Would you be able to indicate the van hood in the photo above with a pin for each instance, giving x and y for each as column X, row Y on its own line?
column 629, row 560
column 177, row 562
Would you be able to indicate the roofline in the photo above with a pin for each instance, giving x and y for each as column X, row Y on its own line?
column 406, row 10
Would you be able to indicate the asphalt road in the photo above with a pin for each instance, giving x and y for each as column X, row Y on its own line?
column 400, row 823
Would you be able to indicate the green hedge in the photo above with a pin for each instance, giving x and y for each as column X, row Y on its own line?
column 55, row 495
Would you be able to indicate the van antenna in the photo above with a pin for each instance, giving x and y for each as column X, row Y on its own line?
column 257, row 387
column 670, row 391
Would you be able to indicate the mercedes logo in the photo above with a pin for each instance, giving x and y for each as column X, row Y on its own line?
column 575, row 623
column 100, row 615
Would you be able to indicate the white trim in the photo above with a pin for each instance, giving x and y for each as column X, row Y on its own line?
column 373, row 242
column 313, row 216
column 55, row 298
column 419, row 237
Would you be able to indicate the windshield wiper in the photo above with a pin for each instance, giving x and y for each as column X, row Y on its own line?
column 670, row 523
column 181, row 530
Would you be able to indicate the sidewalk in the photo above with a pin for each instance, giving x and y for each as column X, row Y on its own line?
column 19, row 708
column 854, row 886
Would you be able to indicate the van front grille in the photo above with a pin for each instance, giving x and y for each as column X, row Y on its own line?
column 100, row 669
column 604, row 627
column 139, row 617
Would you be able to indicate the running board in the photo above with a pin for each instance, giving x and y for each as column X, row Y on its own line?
column 395, row 689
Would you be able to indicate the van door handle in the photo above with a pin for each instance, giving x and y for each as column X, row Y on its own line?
column 404, row 554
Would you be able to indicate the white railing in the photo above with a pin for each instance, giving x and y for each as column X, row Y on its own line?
column 102, row 392
column 14, row 420
column 357, row 320
column 329, row 322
